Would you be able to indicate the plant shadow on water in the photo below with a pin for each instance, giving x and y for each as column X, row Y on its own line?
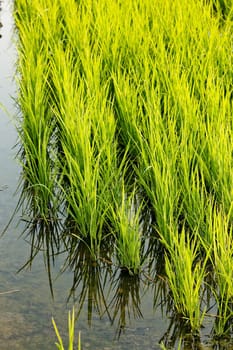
column 108, row 291
column 99, row 284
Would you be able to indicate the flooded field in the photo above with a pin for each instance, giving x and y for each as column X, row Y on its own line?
column 116, row 149
column 25, row 298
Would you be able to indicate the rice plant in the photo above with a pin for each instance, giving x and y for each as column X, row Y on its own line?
column 126, row 224
column 223, row 262
column 71, row 331
column 185, row 278
column 163, row 347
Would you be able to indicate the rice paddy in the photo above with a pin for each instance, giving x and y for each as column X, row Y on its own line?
column 126, row 143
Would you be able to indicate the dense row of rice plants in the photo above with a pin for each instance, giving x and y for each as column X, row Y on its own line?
column 125, row 128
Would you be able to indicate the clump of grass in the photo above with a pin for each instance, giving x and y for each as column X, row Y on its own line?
column 223, row 262
column 163, row 346
column 185, row 278
column 126, row 216
column 35, row 132
column 71, row 330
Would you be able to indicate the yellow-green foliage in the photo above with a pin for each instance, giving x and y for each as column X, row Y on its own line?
column 133, row 92
column 126, row 217
column 186, row 275
column 223, row 263
column 71, row 331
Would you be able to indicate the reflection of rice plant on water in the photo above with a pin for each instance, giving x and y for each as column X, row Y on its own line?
column 125, row 131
